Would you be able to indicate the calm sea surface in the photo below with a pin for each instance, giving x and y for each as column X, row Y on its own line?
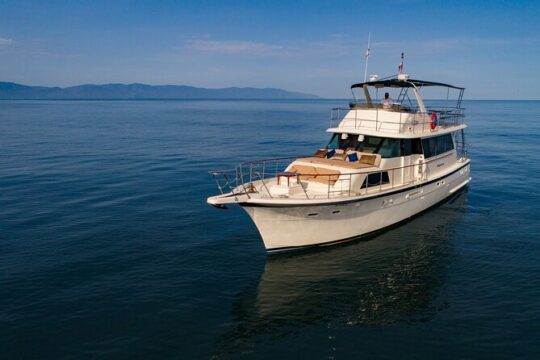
column 109, row 250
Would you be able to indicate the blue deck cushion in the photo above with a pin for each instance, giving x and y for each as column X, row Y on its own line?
column 330, row 153
column 353, row 157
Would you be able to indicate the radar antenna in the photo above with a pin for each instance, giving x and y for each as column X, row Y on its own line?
column 400, row 66
column 368, row 52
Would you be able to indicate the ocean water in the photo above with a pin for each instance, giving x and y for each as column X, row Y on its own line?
column 109, row 250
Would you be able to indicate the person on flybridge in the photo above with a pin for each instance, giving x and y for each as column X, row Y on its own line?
column 387, row 101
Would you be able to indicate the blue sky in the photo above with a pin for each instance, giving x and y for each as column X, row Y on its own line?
column 490, row 47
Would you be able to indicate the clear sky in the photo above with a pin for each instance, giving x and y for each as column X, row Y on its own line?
column 490, row 47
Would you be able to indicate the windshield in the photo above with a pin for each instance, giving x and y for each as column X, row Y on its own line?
column 369, row 144
column 386, row 147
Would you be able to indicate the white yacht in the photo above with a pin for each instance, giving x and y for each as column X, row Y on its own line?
column 386, row 161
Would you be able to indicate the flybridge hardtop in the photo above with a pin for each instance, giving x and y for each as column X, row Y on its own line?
column 386, row 161
column 400, row 83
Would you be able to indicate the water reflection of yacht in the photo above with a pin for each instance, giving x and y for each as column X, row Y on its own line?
column 384, row 163
column 362, row 283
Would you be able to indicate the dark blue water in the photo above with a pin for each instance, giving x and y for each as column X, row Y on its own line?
column 108, row 249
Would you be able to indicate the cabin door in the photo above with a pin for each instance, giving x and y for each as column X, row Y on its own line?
column 407, row 171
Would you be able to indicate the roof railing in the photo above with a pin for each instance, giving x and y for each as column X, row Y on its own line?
column 410, row 120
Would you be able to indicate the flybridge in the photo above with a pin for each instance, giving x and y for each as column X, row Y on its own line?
column 394, row 105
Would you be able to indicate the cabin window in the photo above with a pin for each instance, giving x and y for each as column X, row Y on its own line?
column 437, row 145
column 386, row 147
column 334, row 142
column 370, row 144
column 406, row 147
column 416, row 146
column 351, row 142
column 390, row 148
column 410, row 147
column 376, row 179
column 445, row 143
column 337, row 141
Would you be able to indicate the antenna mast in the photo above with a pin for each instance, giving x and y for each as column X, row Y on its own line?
column 368, row 52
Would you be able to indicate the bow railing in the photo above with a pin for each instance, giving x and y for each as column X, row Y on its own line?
column 256, row 177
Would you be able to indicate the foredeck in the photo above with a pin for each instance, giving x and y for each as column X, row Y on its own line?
column 335, row 163
column 267, row 179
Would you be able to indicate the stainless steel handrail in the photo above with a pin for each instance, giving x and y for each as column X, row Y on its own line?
column 246, row 188
column 446, row 117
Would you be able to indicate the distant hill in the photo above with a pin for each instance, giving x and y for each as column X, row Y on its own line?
column 13, row 91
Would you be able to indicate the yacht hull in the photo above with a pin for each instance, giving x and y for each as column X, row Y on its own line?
column 291, row 227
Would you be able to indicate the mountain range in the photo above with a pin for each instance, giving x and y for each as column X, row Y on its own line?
column 13, row 91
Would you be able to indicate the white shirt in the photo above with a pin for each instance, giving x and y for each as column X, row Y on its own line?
column 387, row 102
